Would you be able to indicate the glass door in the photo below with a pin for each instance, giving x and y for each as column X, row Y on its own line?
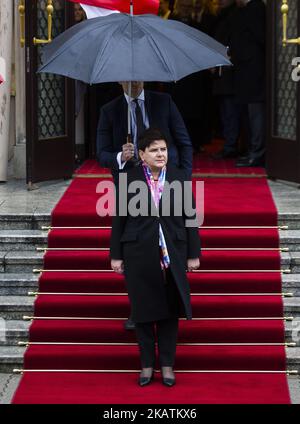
column 50, row 111
column 283, row 101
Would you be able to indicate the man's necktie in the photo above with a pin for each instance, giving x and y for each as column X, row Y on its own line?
column 140, row 126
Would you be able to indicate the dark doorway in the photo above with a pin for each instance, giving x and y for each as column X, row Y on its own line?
column 50, row 114
column 96, row 96
column 283, row 136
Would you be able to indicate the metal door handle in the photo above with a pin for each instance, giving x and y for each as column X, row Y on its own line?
column 21, row 9
column 285, row 11
column 50, row 10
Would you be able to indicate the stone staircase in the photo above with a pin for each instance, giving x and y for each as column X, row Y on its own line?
column 20, row 234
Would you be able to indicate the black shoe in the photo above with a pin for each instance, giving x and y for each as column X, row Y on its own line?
column 250, row 163
column 168, row 381
column 243, row 158
column 224, row 155
column 129, row 324
column 144, row 381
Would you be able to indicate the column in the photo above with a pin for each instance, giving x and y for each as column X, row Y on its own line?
column 19, row 159
column 6, row 32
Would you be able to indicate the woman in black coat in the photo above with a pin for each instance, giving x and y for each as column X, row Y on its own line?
column 154, row 248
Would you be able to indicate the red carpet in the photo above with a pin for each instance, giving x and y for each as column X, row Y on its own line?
column 228, row 202
column 203, row 164
column 210, row 238
column 231, row 352
column 206, row 388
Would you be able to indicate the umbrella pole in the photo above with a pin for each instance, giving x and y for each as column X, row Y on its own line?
column 129, row 137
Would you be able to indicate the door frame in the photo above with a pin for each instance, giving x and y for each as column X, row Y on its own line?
column 51, row 158
column 283, row 155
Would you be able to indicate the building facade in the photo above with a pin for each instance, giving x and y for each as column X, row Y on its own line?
column 42, row 129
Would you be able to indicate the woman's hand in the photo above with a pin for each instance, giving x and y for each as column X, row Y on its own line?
column 193, row 264
column 117, row 265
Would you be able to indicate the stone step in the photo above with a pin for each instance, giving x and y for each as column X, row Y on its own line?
column 24, row 221
column 294, row 261
column 288, row 235
column 20, row 284
column 18, row 330
column 15, row 307
column 22, row 239
column 15, row 331
column 24, row 261
column 20, row 261
column 12, row 357
column 291, row 283
column 35, row 220
column 286, row 197
column 293, row 358
column 17, row 284
column 290, row 239
column 292, row 307
column 290, row 219
column 286, row 260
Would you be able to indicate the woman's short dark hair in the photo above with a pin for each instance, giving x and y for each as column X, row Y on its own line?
column 148, row 136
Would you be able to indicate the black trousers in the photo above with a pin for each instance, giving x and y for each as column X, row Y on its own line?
column 254, row 118
column 166, row 331
column 257, row 136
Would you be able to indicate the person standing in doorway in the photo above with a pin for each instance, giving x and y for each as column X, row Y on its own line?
column 223, row 83
column 247, row 53
column 79, row 13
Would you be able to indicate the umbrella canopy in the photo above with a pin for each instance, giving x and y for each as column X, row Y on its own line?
column 122, row 47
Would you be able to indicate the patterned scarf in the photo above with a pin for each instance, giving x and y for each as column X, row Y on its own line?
column 156, row 192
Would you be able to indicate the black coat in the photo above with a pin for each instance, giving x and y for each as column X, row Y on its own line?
column 191, row 93
column 223, row 83
column 248, row 52
column 136, row 241
column 162, row 113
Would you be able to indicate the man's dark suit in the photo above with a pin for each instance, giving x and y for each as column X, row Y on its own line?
column 247, row 50
column 162, row 113
column 248, row 57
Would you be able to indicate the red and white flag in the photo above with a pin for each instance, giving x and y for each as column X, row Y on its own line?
column 95, row 8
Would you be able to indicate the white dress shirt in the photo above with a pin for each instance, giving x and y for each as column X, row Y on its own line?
column 141, row 102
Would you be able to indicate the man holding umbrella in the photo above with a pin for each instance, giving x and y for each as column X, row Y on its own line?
column 147, row 108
